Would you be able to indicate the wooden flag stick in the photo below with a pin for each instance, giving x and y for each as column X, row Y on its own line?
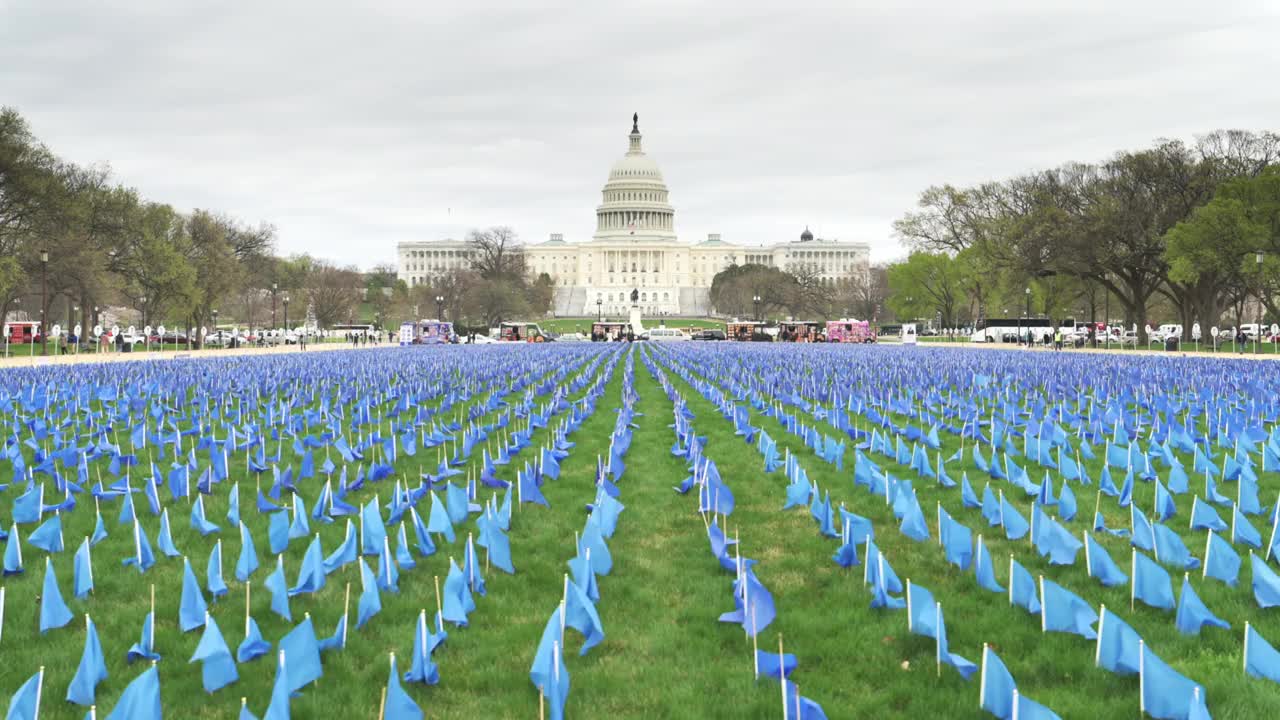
column 783, row 684
column 439, row 606
column 382, row 702
column 246, row 608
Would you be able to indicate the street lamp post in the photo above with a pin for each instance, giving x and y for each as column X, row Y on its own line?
column 440, row 307
column 44, row 299
column 599, row 310
column 755, row 299
column 1027, row 292
column 286, row 313
column 96, row 340
column 1106, row 317
column 1257, row 336
column 274, row 288
column 75, row 310
column 215, row 322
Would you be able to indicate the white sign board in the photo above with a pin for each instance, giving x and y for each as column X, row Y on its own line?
column 1195, row 331
column 115, row 330
column 203, row 331
column 1214, row 331
column 97, row 331
column 909, row 334
column 56, row 330
column 161, row 331
column 77, row 329
column 147, row 331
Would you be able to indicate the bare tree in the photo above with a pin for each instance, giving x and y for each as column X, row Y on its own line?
column 498, row 253
column 333, row 292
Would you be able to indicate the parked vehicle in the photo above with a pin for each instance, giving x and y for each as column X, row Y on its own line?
column 1166, row 331
column 708, row 334
column 666, row 335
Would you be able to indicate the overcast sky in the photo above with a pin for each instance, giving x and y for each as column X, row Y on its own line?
column 352, row 129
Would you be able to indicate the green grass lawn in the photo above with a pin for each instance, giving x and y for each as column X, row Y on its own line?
column 665, row 655
column 851, row 657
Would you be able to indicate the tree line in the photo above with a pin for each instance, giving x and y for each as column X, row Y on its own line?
column 75, row 241
column 1185, row 232
column 798, row 291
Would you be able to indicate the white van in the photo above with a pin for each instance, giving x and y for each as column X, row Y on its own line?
column 1166, row 331
column 667, row 335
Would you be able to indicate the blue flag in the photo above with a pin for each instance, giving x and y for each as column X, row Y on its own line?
column 213, row 572
column 996, row 693
column 140, row 699
column 422, row 669
column 580, row 614
column 54, row 613
column 438, row 520
column 1064, row 611
column 457, row 602
column 191, row 608
column 1266, row 585
column 218, row 668
column 1193, row 614
column 278, row 533
column 164, row 538
column 302, row 651
column 370, row 603
column 345, row 553
column 399, row 706
column 984, row 570
column 82, row 582
column 1100, row 565
column 280, row 692
column 278, row 585
column 1119, row 646
column 1261, row 660
column 1220, row 560
column 247, row 564
column 92, row 669
column 253, row 646
column 1151, row 584
column 1165, row 693
column 1204, row 517
column 1242, row 531
column 48, row 536
column 311, row 576
column 1015, row 526
column 144, row 649
column 1022, row 588
column 921, row 611
column 965, row 667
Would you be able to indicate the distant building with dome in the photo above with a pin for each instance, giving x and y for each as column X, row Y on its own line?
column 635, row 247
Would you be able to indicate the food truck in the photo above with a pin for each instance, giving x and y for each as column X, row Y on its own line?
column 21, row 332
column 800, row 331
column 521, row 332
column 744, row 331
column 432, row 332
column 850, row 331
column 606, row 330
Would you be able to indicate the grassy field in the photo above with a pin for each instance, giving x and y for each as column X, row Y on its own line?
column 665, row 655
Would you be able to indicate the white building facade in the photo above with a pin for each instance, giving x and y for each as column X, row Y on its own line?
column 635, row 248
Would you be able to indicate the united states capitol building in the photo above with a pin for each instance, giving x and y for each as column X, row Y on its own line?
column 635, row 248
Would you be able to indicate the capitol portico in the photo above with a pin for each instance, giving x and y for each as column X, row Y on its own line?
column 635, row 247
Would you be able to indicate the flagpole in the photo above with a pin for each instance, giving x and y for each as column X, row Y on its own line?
column 39, row 691
column 783, row 684
column 937, row 635
column 346, row 606
column 1133, row 580
column 1245, row 664
column 246, row 608
column 982, row 677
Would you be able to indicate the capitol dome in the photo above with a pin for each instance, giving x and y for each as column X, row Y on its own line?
column 635, row 200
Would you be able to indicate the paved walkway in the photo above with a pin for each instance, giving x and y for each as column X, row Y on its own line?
column 17, row 359
column 1268, row 351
